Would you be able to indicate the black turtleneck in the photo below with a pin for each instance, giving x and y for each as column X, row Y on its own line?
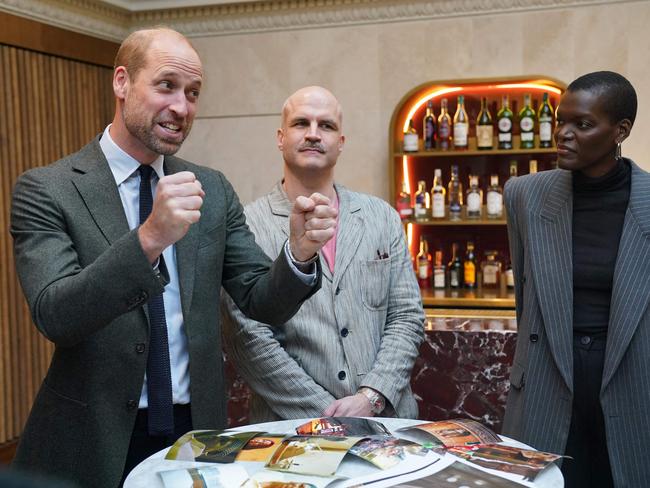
column 599, row 206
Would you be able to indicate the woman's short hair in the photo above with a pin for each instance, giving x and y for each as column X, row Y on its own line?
column 616, row 92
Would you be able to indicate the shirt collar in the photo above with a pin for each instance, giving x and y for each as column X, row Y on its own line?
column 121, row 163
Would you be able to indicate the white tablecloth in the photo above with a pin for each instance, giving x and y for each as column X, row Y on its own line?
column 145, row 474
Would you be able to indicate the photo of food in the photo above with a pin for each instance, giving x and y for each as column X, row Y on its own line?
column 313, row 455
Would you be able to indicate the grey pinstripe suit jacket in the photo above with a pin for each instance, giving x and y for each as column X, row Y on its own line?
column 539, row 404
column 295, row 373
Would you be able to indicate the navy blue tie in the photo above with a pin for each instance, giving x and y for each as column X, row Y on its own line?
column 159, row 378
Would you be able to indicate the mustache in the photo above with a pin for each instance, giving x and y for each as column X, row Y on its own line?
column 308, row 146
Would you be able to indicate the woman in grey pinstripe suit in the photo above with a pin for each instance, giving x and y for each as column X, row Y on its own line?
column 580, row 247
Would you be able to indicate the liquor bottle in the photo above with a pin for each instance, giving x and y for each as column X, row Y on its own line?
column 484, row 127
column 437, row 196
column 455, row 268
column 494, row 199
column 545, row 122
column 429, row 128
column 403, row 203
column 469, row 267
column 455, row 195
column 491, row 270
column 411, row 143
column 461, row 125
column 510, row 276
column 444, row 126
column 527, row 125
column 438, row 271
column 532, row 166
column 513, row 169
column 422, row 202
column 504, row 124
column 474, row 201
column 424, row 264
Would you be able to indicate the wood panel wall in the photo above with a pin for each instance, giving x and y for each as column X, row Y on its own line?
column 49, row 107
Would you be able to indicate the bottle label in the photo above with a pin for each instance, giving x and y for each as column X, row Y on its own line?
column 443, row 129
column 405, row 210
column 460, row 134
column 420, row 210
column 490, row 275
column 423, row 270
column 527, row 136
column 438, row 206
column 429, row 130
column 470, row 273
column 510, row 278
column 505, row 124
column 474, row 202
column 439, row 278
column 545, row 131
column 410, row 142
column 505, row 136
column 484, row 135
column 454, row 208
column 453, row 278
column 526, row 124
column 494, row 204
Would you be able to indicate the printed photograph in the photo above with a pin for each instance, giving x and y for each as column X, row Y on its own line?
column 458, row 432
column 212, row 446
column 459, row 475
column 271, row 479
column 311, row 455
column 386, row 452
column 260, row 449
column 342, row 426
column 204, row 477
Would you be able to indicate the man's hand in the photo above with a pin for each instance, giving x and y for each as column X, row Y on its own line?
column 312, row 224
column 175, row 207
column 350, row 406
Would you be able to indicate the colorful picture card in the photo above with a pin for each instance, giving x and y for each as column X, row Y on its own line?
column 212, row 446
column 458, row 432
column 459, row 475
column 386, row 452
column 204, row 477
column 274, row 479
column 311, row 455
column 260, row 448
column 342, row 426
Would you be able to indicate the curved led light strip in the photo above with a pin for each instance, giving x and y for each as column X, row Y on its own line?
column 425, row 99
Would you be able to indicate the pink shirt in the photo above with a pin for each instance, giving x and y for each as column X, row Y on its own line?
column 329, row 249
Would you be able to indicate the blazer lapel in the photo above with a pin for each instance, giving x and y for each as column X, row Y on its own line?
column 631, row 285
column 551, row 244
column 349, row 234
column 96, row 185
column 186, row 248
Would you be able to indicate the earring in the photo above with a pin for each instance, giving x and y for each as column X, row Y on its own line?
column 618, row 156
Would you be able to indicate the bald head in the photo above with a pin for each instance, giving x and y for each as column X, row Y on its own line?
column 133, row 50
column 312, row 95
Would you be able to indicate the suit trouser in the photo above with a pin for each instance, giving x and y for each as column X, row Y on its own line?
column 587, row 443
column 144, row 445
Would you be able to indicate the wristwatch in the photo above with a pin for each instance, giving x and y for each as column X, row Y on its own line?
column 376, row 399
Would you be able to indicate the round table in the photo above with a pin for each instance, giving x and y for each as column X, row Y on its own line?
column 145, row 474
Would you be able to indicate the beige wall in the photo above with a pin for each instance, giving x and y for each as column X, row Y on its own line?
column 371, row 67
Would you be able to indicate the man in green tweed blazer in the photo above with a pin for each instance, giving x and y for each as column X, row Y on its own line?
column 88, row 269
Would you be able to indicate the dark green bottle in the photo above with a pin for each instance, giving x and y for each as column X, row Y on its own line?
column 504, row 124
column 545, row 123
column 527, row 125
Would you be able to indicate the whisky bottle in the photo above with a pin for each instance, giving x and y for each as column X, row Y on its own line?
column 422, row 202
column 504, row 124
column 491, row 270
column 484, row 127
column 437, row 196
column 403, row 203
column 438, row 271
column 455, row 195
column 510, row 276
column 513, row 169
column 444, row 126
column 494, row 199
column 411, row 143
column 429, row 128
column 545, row 123
column 527, row 125
column 455, row 268
column 461, row 125
column 424, row 264
column 532, row 166
column 474, row 201
column 469, row 267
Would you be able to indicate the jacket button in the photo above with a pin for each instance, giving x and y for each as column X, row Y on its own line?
column 534, row 337
column 344, row 332
column 338, row 290
column 342, row 375
column 131, row 405
column 140, row 347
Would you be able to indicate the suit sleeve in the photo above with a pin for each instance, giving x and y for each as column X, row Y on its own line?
column 404, row 328
column 510, row 196
column 267, row 367
column 69, row 302
column 268, row 294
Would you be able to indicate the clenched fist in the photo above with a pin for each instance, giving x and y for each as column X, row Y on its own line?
column 312, row 223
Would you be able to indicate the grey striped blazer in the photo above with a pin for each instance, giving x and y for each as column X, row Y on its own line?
column 363, row 328
column 538, row 411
